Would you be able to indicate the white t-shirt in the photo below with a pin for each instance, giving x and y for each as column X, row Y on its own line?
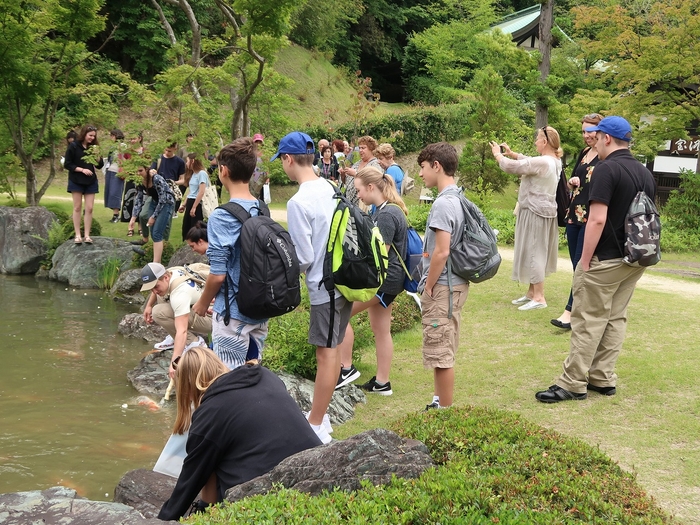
column 184, row 295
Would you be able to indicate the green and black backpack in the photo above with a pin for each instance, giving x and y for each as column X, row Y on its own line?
column 356, row 258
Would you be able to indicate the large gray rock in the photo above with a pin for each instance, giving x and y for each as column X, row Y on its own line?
column 59, row 505
column 144, row 490
column 185, row 255
column 127, row 288
column 79, row 265
column 21, row 232
column 375, row 455
column 342, row 406
column 133, row 325
column 151, row 374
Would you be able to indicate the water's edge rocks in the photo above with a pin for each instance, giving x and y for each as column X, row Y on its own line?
column 22, row 230
column 63, row 505
column 79, row 265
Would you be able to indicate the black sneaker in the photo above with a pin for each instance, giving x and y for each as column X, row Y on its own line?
column 347, row 376
column 604, row 390
column 432, row 406
column 375, row 388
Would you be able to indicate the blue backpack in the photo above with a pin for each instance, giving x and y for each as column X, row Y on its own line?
column 409, row 260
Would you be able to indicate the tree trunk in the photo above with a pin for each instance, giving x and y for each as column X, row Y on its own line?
column 546, row 22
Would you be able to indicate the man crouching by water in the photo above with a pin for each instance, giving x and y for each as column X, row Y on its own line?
column 241, row 424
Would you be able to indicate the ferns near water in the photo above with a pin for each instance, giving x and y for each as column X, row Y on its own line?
column 108, row 273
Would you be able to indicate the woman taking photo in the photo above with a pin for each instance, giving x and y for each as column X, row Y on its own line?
column 197, row 180
column 536, row 231
column 159, row 213
column 367, row 145
column 577, row 214
column 82, row 178
column 241, row 424
column 377, row 189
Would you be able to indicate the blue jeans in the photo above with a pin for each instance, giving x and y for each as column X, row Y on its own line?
column 161, row 228
column 574, row 238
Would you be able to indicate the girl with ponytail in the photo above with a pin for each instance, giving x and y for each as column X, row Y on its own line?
column 378, row 189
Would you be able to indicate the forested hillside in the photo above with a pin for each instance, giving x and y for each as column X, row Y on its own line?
column 219, row 70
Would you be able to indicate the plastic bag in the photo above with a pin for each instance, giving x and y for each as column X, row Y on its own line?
column 266, row 193
column 173, row 455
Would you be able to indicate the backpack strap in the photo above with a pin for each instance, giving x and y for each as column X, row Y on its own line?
column 240, row 213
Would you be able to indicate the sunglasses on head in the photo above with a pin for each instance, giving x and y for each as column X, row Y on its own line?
column 544, row 130
column 91, row 128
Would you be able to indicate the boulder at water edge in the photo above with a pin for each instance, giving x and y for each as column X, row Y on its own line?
column 61, row 505
column 133, row 325
column 375, row 455
column 144, row 490
column 127, row 288
column 21, row 232
column 79, row 264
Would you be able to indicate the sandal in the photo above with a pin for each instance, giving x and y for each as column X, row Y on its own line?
column 88, row 240
column 78, row 240
column 130, row 233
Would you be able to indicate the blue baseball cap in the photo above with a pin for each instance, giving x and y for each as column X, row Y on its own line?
column 295, row 143
column 616, row 127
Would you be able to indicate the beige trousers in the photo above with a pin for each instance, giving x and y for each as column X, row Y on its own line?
column 164, row 316
column 598, row 323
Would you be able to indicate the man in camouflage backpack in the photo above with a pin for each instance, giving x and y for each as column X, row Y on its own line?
column 603, row 282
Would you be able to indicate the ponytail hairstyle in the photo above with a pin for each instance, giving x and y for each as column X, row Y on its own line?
column 197, row 369
column 197, row 233
column 385, row 183
column 552, row 137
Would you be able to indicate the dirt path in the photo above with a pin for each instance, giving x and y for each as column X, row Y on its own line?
column 649, row 281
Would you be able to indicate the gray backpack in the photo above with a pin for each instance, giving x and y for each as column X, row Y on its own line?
column 474, row 255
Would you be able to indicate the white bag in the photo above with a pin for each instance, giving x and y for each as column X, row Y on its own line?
column 173, row 455
column 210, row 201
column 266, row 193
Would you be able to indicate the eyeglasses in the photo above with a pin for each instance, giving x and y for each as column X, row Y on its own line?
column 176, row 362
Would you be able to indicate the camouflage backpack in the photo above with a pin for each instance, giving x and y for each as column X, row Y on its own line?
column 642, row 230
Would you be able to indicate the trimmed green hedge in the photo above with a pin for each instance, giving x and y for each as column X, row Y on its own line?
column 411, row 130
column 493, row 467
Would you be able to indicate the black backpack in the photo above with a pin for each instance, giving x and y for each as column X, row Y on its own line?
column 269, row 284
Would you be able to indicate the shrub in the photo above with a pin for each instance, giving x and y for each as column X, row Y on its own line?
column 287, row 347
column 16, row 203
column 418, row 216
column 504, row 222
column 95, row 230
column 59, row 212
column 139, row 261
column 674, row 239
column 493, row 467
column 410, row 130
column 682, row 210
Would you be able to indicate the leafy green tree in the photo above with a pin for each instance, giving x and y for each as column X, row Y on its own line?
column 42, row 45
column 648, row 54
column 494, row 117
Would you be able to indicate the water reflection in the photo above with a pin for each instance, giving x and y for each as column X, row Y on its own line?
column 62, row 386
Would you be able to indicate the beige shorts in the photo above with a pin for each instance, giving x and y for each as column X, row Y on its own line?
column 440, row 333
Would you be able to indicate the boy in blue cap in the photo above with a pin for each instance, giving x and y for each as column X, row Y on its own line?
column 309, row 215
column 603, row 282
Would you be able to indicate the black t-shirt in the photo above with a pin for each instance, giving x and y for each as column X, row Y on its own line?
column 170, row 168
column 613, row 186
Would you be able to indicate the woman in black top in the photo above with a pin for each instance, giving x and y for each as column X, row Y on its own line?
column 328, row 164
column 577, row 214
column 82, row 178
column 241, row 424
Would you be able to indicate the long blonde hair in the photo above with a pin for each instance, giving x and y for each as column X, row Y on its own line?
column 385, row 183
column 551, row 135
column 197, row 369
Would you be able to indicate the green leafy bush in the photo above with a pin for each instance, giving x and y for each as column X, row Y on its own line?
column 678, row 240
column 410, row 130
column 95, row 229
column 418, row 216
column 16, row 203
column 287, row 347
column 682, row 210
column 493, row 467
column 504, row 222
column 139, row 261
column 59, row 212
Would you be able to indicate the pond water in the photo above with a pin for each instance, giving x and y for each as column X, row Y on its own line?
column 63, row 388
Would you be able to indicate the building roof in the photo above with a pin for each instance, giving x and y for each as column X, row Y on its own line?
column 522, row 24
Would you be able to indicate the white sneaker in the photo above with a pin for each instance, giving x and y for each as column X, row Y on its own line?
column 321, row 433
column 326, row 423
column 521, row 300
column 198, row 342
column 175, row 215
column 533, row 305
column 165, row 344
